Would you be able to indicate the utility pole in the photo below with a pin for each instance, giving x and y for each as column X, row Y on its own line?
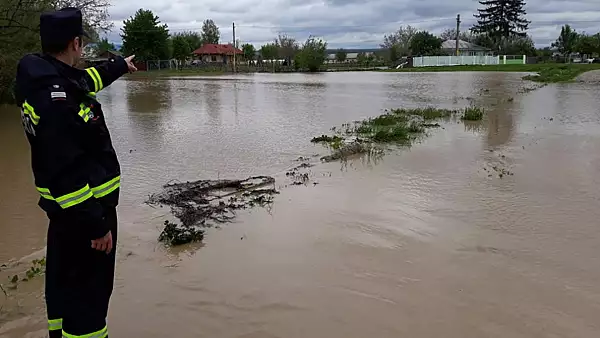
column 234, row 47
column 457, row 32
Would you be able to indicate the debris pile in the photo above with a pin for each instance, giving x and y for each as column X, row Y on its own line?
column 203, row 203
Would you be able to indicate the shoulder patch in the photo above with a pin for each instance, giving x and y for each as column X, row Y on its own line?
column 57, row 93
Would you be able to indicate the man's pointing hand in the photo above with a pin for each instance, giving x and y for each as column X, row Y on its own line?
column 130, row 64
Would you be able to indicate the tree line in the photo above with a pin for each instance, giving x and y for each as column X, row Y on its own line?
column 501, row 26
column 145, row 36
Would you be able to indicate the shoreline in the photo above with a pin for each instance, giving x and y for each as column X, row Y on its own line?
column 546, row 72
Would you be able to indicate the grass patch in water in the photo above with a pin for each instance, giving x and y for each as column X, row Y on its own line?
column 560, row 73
column 396, row 126
column 428, row 113
column 472, row 114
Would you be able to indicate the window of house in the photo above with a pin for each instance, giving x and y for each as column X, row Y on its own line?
column 213, row 58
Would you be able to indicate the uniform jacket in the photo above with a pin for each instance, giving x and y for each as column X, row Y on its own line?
column 75, row 167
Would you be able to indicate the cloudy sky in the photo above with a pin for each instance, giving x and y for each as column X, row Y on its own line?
column 347, row 23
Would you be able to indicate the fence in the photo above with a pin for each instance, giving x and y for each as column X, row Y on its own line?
column 161, row 64
column 432, row 61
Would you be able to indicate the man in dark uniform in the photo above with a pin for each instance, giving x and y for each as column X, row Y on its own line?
column 76, row 171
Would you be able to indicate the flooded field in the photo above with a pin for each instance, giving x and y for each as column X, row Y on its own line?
column 428, row 241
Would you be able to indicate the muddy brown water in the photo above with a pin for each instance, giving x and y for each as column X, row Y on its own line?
column 422, row 243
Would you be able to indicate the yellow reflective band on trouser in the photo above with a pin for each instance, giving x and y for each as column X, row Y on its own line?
column 84, row 112
column 106, row 188
column 68, row 200
column 98, row 334
column 96, row 77
column 55, row 324
column 45, row 193
column 28, row 110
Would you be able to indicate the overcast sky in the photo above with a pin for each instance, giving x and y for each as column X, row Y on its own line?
column 347, row 23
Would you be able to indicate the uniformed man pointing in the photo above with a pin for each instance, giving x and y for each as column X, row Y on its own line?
column 76, row 173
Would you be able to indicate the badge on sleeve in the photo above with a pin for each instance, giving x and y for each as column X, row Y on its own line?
column 57, row 93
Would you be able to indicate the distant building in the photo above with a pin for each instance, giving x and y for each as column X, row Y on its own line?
column 350, row 57
column 101, row 57
column 217, row 53
column 464, row 48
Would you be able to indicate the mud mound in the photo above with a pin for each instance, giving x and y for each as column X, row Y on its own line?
column 204, row 203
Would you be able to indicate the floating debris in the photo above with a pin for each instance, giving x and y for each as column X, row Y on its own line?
column 174, row 234
column 203, row 203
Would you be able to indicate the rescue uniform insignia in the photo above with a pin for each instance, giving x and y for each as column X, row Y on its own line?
column 58, row 93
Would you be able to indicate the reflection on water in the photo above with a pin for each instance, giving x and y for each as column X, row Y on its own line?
column 427, row 241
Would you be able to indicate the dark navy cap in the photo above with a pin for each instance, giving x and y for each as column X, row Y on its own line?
column 61, row 26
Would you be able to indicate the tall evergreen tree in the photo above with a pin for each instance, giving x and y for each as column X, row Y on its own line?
column 145, row 36
column 501, row 18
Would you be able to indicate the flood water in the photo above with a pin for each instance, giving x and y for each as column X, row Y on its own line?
column 422, row 243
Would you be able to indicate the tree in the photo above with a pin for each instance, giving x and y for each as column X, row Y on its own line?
column 19, row 31
column 517, row 45
column 181, row 48
column 193, row 39
column 401, row 38
column 544, row 54
column 94, row 12
column 361, row 58
column 249, row 51
column 269, row 51
column 566, row 41
column 105, row 45
column 210, row 32
column 312, row 54
column 425, row 43
column 341, row 55
column 19, row 35
column 287, row 47
column 586, row 44
column 501, row 18
column 450, row 34
column 145, row 36
column 393, row 54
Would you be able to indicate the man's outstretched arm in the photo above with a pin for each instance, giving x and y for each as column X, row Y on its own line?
column 102, row 75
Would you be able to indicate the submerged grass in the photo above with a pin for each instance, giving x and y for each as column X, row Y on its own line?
column 397, row 126
column 472, row 114
column 561, row 73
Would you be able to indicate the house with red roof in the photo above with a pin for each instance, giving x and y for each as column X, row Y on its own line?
column 217, row 53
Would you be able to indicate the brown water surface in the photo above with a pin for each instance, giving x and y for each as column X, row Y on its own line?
column 423, row 243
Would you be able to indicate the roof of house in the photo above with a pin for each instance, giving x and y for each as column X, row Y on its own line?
column 451, row 44
column 217, row 49
column 113, row 52
column 349, row 56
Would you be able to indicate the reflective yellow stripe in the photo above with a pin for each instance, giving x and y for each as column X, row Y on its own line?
column 106, row 188
column 45, row 193
column 55, row 324
column 82, row 194
column 28, row 110
column 98, row 334
column 97, row 79
column 100, row 84
column 74, row 198
column 84, row 112
column 93, row 76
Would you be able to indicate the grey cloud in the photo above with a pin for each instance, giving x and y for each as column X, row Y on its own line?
column 349, row 22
